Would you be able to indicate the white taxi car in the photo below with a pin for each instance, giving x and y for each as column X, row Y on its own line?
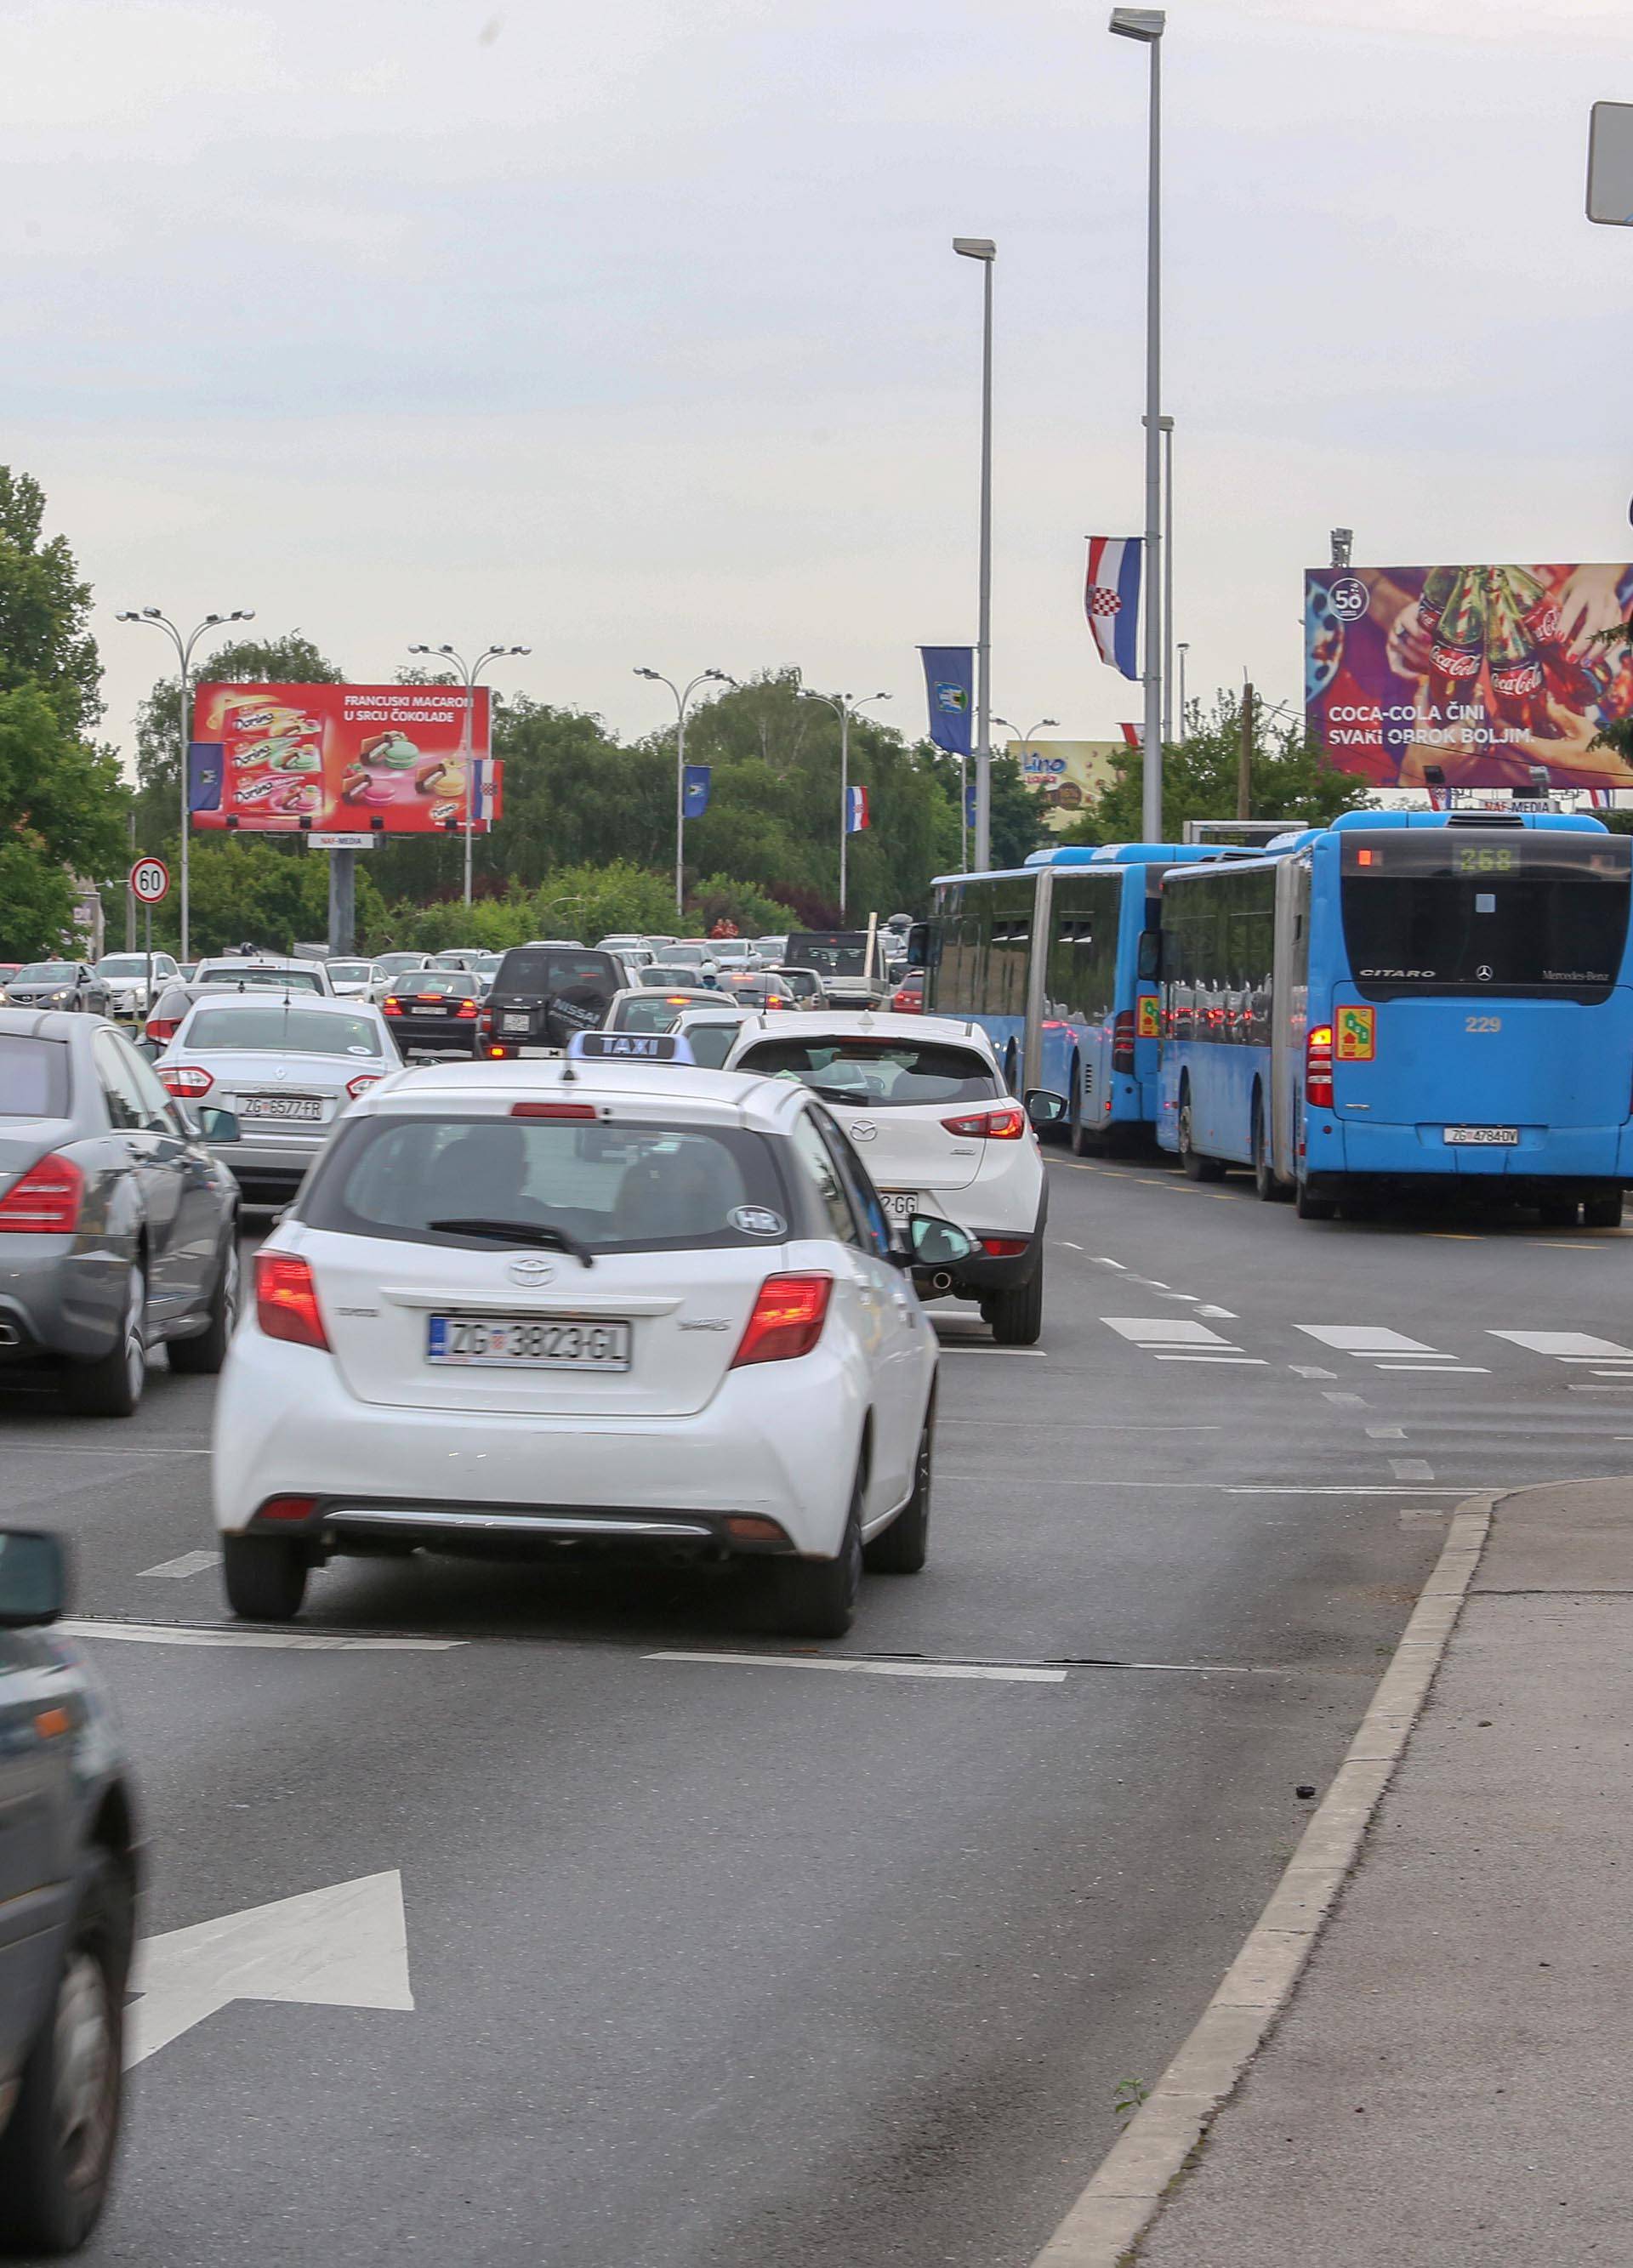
column 924, row 1101
column 538, row 1306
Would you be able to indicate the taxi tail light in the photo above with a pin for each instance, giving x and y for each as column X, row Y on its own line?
column 787, row 1319
column 1006, row 1126
column 361, row 1084
column 1319, row 1066
column 552, row 1110
column 45, row 1201
column 287, row 1305
column 189, row 1080
column 1123, row 1041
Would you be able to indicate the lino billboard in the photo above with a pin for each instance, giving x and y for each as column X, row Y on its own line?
column 1486, row 671
column 386, row 759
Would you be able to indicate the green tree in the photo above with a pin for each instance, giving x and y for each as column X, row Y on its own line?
column 267, row 890
column 1291, row 779
column 45, row 610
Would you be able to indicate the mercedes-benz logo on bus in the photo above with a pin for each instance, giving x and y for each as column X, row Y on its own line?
column 863, row 1129
column 1484, row 973
column 531, row 1272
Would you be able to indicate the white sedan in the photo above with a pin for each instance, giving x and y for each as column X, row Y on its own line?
column 287, row 1066
column 535, row 1307
column 924, row 1101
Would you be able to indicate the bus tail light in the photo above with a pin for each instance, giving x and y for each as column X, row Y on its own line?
column 1123, row 1041
column 1319, row 1066
column 1006, row 1126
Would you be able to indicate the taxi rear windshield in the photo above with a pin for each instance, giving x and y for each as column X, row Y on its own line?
column 612, row 1185
column 1441, row 910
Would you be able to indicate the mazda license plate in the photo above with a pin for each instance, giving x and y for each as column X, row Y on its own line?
column 902, row 1203
column 1485, row 1137
column 280, row 1105
column 528, row 1343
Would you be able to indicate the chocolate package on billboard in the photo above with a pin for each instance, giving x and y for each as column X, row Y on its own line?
column 1487, row 673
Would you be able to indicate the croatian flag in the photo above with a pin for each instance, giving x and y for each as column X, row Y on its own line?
column 1111, row 599
column 855, row 810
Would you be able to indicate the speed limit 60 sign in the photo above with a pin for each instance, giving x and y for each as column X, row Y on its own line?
column 150, row 880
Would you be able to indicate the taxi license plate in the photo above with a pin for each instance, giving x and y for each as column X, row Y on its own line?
column 279, row 1106
column 1494, row 1138
column 522, row 1023
column 518, row 1342
column 903, row 1202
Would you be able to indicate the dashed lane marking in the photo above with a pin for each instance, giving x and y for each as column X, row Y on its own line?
column 290, row 1641
column 190, row 1563
column 1411, row 1469
column 857, row 1667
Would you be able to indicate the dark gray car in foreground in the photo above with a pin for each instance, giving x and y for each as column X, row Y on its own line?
column 118, row 1228
column 68, row 1891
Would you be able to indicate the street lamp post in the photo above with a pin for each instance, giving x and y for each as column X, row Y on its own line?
column 683, row 702
column 469, row 672
column 1185, row 649
column 1147, row 25
column 156, row 619
column 1026, row 739
column 843, row 708
column 983, row 249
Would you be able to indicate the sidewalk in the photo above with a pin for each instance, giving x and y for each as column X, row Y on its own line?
column 1451, row 2085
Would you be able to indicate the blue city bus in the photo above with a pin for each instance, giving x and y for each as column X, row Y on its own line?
column 1406, row 999
column 1056, row 961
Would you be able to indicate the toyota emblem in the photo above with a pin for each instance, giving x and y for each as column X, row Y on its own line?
column 531, row 1272
column 863, row 1129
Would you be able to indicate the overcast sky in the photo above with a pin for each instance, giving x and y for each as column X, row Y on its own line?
column 633, row 333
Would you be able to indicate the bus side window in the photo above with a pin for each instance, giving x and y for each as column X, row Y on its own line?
column 1150, row 967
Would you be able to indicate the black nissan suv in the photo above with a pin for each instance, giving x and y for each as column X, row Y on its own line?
column 542, row 994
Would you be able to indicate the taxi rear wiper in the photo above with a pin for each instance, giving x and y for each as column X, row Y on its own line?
column 519, row 1232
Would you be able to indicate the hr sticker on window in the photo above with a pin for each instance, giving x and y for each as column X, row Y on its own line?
column 757, row 1221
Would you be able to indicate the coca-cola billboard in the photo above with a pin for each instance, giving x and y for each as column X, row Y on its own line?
column 1486, row 671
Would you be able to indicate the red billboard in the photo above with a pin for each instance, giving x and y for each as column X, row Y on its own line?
column 386, row 759
column 1486, row 671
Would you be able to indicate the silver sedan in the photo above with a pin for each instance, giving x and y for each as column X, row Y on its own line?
column 287, row 1068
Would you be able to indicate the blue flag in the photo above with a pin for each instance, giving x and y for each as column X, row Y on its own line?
column 697, row 791
column 949, row 681
column 969, row 804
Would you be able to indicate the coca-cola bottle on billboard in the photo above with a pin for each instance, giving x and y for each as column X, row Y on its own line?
column 1458, row 646
column 1519, row 696
column 1571, row 682
column 1432, row 603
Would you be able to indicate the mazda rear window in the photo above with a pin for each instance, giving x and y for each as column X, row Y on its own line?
column 613, row 1184
column 876, row 1074
column 276, row 1030
column 33, row 1078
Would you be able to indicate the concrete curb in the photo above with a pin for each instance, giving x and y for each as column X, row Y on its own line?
column 1125, row 2193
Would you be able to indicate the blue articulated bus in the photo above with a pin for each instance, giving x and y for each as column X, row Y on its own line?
column 1057, row 961
column 1406, row 999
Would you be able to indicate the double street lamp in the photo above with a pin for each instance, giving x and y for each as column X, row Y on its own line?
column 155, row 618
column 682, row 702
column 844, row 707
column 469, row 671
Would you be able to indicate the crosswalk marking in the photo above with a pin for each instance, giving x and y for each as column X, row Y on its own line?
column 1362, row 1339
column 1567, row 1346
column 1165, row 1330
column 1381, row 1348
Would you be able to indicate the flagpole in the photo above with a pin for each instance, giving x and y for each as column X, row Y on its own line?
column 843, row 708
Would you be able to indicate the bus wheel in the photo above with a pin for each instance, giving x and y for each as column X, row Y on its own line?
column 1197, row 1168
column 1310, row 1207
column 1270, row 1189
column 1603, row 1210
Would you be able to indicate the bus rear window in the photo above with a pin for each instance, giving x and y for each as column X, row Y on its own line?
column 1442, row 912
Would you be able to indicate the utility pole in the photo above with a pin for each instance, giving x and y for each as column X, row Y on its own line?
column 130, row 893
column 1244, row 758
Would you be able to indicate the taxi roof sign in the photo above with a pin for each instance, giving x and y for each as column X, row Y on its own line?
column 632, row 1047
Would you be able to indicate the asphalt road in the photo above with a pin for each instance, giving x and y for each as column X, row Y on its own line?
column 745, row 1963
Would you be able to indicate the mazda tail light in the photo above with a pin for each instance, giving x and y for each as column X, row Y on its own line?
column 287, row 1305
column 45, row 1201
column 787, row 1319
column 287, row 1507
column 1003, row 1247
column 1123, row 1041
column 189, row 1080
column 362, row 1083
column 1319, row 1066
column 1006, row 1126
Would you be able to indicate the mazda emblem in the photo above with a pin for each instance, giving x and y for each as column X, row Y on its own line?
column 863, row 1129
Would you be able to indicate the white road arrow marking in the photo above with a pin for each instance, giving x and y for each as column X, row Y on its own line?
column 345, row 1947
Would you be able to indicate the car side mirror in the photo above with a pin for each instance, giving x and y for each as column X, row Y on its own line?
column 928, row 1242
column 34, row 1578
column 218, row 1126
column 1150, row 962
column 1043, row 1108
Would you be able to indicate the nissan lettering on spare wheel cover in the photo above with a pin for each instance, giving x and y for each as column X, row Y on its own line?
column 341, row 759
